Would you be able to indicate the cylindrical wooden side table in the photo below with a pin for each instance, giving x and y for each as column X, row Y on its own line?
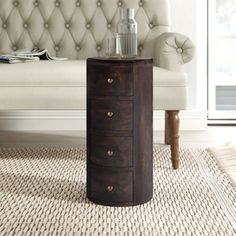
column 119, row 131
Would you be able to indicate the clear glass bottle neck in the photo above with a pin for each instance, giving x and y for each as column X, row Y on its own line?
column 130, row 13
column 127, row 13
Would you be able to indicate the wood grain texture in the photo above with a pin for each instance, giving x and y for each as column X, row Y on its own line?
column 111, row 185
column 174, row 137
column 167, row 131
column 114, row 81
column 111, row 151
column 119, row 120
column 110, row 114
column 143, row 131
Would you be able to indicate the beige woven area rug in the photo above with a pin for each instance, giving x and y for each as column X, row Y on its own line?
column 226, row 157
column 42, row 192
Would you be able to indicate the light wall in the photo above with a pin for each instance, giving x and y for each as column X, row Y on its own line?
column 189, row 17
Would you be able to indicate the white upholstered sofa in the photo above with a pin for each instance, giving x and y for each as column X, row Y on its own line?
column 78, row 29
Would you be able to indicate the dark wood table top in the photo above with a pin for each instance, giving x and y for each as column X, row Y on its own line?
column 119, row 59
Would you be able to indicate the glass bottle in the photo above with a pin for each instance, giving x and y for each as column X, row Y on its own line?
column 126, row 33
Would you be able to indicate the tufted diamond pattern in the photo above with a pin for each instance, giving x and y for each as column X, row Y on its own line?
column 76, row 29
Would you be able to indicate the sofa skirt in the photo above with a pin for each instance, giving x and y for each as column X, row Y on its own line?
column 42, row 98
column 74, row 98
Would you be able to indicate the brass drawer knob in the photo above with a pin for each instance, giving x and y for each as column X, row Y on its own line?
column 110, row 81
column 110, row 113
column 109, row 188
column 110, row 153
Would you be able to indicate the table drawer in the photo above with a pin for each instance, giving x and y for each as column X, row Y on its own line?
column 111, row 114
column 110, row 80
column 111, row 151
column 111, row 185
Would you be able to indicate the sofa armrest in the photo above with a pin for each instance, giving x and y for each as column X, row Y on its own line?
column 172, row 50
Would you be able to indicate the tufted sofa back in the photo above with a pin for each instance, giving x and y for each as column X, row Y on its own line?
column 77, row 29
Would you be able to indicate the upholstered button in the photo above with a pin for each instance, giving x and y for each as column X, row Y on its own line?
column 78, row 3
column 36, row 3
column 25, row 25
column 14, row 48
column 46, row 25
column 67, row 25
column 88, row 25
column 179, row 50
column 119, row 4
column 109, row 25
column 99, row 48
column 140, row 3
column 150, row 25
column 57, row 48
column 77, row 48
column 99, row 3
column 4, row 25
column 15, row 3
column 57, row 4
column 140, row 47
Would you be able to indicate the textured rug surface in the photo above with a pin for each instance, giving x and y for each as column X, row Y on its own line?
column 226, row 157
column 43, row 192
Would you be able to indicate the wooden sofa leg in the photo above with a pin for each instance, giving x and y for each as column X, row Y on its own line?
column 173, row 117
column 167, row 131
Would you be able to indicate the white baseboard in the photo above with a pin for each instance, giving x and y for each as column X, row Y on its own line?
column 189, row 120
column 23, row 120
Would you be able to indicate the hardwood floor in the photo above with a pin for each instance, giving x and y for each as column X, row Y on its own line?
column 213, row 136
column 42, row 138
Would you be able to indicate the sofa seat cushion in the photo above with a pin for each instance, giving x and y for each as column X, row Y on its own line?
column 62, row 85
column 44, row 73
column 70, row 73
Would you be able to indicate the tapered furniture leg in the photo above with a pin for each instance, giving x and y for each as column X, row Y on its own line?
column 173, row 117
column 167, row 131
